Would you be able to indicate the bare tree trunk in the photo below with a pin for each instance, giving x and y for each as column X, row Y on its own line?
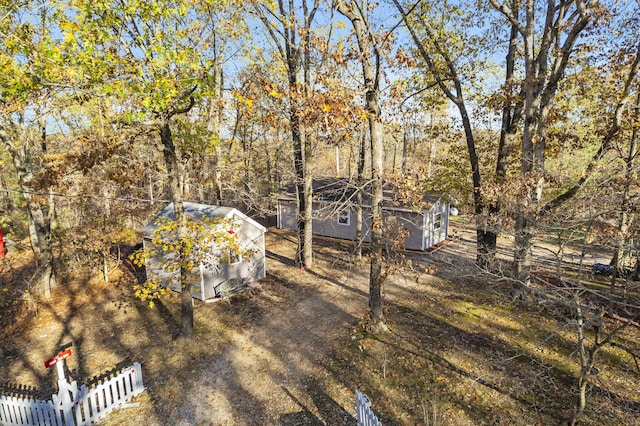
column 247, row 152
column 106, row 193
column 305, row 52
column 295, row 55
column 404, row 154
column 435, row 56
column 307, row 246
column 582, row 398
column 511, row 115
column 523, row 244
column 587, row 358
column 302, row 197
column 370, row 61
column 376, row 277
column 626, row 215
column 43, row 241
column 105, row 266
column 217, row 174
column 271, row 184
column 150, row 191
column 173, row 173
column 360, row 180
column 39, row 222
column 218, row 119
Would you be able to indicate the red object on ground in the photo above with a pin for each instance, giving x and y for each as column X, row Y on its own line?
column 53, row 361
column 3, row 252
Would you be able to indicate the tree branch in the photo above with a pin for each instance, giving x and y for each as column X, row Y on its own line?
column 455, row 98
column 185, row 108
column 509, row 15
column 605, row 143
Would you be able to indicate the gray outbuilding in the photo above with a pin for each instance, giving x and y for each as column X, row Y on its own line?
column 335, row 210
column 224, row 275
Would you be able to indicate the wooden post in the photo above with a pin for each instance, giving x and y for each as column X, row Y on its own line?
column 59, row 365
column 67, row 392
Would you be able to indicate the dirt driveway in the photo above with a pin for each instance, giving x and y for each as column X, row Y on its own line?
column 263, row 358
column 292, row 353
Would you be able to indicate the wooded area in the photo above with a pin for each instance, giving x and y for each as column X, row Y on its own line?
column 524, row 114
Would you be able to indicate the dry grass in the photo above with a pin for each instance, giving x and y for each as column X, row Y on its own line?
column 460, row 351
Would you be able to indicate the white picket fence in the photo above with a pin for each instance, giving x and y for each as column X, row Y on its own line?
column 23, row 411
column 364, row 413
column 74, row 406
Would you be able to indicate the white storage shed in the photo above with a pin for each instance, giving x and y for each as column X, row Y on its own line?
column 213, row 280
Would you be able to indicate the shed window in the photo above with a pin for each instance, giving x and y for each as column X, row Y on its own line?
column 234, row 226
column 344, row 217
column 234, row 257
column 437, row 220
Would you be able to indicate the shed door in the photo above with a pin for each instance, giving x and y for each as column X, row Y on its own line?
column 287, row 215
column 435, row 229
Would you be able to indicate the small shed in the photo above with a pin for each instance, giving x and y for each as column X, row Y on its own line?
column 213, row 280
column 335, row 210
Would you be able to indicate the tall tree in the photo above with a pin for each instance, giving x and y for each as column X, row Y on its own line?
column 289, row 26
column 443, row 49
column 542, row 39
column 35, row 72
column 549, row 42
column 626, row 216
column 370, row 59
column 40, row 213
column 162, row 67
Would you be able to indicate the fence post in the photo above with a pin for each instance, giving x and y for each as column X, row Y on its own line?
column 73, row 405
column 67, row 392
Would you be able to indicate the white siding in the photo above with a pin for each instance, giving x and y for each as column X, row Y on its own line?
column 205, row 278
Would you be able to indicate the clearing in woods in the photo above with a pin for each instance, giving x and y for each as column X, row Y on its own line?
column 460, row 351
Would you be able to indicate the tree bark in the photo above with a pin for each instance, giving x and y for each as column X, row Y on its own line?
column 39, row 222
column 523, row 251
column 587, row 358
column 370, row 62
column 218, row 118
column 173, row 173
column 217, row 174
column 486, row 243
column 511, row 115
column 376, row 276
column 547, row 49
column 303, row 193
column 626, row 215
column 361, row 187
column 293, row 53
column 486, row 238
column 307, row 246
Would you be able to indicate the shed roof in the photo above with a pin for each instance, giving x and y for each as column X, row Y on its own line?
column 344, row 190
column 198, row 211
